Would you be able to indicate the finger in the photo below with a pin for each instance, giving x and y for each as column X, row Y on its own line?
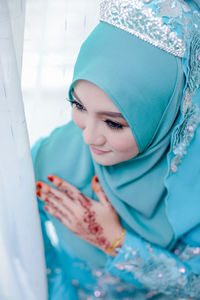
column 63, row 218
column 55, row 202
column 84, row 202
column 58, row 215
column 96, row 186
column 42, row 185
column 67, row 188
column 60, row 196
column 70, row 191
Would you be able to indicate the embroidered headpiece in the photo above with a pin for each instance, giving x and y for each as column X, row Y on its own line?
column 173, row 26
column 162, row 23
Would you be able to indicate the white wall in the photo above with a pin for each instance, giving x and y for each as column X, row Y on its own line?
column 54, row 31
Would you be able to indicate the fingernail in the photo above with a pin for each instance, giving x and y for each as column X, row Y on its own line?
column 95, row 180
column 38, row 193
column 50, row 178
column 39, row 185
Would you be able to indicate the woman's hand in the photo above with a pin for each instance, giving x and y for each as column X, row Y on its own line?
column 95, row 222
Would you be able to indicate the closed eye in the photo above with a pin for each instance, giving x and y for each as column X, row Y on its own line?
column 111, row 124
column 77, row 105
column 114, row 125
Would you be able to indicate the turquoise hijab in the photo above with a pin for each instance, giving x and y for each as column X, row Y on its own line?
column 146, row 85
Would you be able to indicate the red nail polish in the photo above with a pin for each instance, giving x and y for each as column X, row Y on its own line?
column 38, row 193
column 50, row 178
column 96, row 178
column 39, row 185
column 94, row 182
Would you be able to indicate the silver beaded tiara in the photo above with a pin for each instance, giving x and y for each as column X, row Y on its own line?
column 162, row 23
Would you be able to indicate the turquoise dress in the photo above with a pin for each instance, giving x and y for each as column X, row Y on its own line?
column 141, row 270
column 155, row 194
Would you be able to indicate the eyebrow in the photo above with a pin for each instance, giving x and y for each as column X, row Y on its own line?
column 106, row 113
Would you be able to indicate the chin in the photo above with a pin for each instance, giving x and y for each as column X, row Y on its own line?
column 104, row 162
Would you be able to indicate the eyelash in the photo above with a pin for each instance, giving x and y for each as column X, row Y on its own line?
column 78, row 106
column 112, row 125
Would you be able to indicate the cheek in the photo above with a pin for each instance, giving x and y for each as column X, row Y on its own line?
column 78, row 118
column 124, row 142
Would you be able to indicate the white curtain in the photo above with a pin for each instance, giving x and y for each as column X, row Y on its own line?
column 22, row 268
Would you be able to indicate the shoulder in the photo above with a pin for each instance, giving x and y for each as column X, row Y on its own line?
column 64, row 154
column 60, row 136
column 56, row 149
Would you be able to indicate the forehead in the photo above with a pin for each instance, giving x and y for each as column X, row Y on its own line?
column 91, row 95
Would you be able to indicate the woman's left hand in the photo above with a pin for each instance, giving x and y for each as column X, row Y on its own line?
column 94, row 221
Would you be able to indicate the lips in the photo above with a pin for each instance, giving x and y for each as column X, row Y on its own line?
column 98, row 151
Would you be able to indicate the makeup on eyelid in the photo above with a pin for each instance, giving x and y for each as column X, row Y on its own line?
column 110, row 123
column 104, row 129
column 108, row 113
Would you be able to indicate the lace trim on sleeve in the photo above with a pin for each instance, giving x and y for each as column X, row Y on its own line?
column 162, row 273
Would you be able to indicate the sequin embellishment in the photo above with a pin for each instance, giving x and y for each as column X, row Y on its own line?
column 161, row 273
column 190, row 111
column 137, row 18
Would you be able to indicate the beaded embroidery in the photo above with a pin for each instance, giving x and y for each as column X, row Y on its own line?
column 185, row 252
column 135, row 17
column 190, row 111
column 161, row 273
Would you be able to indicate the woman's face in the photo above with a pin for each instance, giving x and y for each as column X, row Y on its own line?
column 105, row 131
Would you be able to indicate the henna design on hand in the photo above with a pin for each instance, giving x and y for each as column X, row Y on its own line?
column 80, row 214
column 94, row 230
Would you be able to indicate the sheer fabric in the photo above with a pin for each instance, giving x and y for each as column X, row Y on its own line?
column 22, row 272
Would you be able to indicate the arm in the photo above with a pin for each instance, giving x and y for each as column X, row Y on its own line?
column 137, row 262
column 158, row 269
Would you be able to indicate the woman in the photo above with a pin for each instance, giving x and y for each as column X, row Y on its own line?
column 121, row 192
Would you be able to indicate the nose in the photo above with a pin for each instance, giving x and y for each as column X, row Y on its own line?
column 92, row 134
